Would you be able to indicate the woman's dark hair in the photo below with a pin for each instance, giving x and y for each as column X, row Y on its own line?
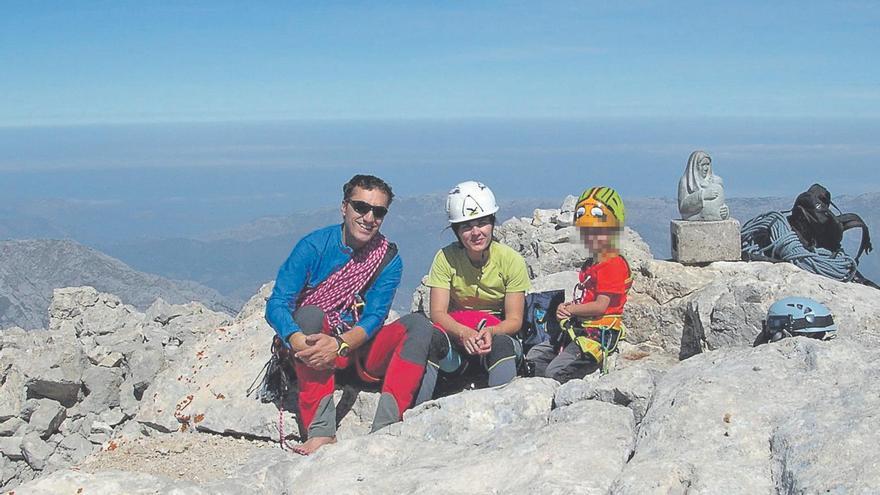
column 368, row 182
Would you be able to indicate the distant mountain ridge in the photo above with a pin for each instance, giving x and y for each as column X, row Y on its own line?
column 230, row 265
column 237, row 261
column 31, row 269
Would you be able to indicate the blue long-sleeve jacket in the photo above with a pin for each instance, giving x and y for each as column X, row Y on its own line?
column 314, row 258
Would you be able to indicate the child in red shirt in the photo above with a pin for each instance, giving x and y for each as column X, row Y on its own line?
column 593, row 321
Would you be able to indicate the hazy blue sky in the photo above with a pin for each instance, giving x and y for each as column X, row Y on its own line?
column 178, row 117
column 125, row 61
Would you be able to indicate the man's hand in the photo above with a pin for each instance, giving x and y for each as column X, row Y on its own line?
column 320, row 352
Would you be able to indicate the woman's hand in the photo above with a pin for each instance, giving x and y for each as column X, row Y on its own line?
column 469, row 339
column 484, row 340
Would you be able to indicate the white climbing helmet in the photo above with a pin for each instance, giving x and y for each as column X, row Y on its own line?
column 470, row 200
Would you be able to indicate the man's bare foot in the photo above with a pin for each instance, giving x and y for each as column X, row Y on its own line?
column 312, row 445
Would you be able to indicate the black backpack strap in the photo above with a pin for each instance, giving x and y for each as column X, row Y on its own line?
column 859, row 278
column 390, row 253
column 852, row 221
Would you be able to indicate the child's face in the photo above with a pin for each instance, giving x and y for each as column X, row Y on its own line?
column 599, row 240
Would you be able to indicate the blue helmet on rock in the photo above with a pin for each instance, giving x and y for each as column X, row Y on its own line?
column 799, row 316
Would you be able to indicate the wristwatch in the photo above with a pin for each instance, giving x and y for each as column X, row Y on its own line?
column 344, row 349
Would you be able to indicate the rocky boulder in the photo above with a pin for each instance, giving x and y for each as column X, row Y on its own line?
column 690, row 406
column 783, row 418
column 789, row 417
column 89, row 368
column 206, row 388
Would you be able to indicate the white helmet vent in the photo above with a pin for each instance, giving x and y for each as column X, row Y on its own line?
column 469, row 201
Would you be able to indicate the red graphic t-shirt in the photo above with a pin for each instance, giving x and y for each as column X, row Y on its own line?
column 612, row 278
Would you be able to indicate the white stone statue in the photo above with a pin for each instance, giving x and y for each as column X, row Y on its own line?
column 700, row 192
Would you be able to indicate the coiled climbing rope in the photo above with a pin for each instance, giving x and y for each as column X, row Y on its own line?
column 770, row 235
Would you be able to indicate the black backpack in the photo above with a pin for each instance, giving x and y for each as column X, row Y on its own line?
column 817, row 226
column 539, row 319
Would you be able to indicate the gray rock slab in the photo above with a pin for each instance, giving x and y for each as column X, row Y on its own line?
column 704, row 242
column 765, row 411
column 11, row 447
column 47, row 417
column 55, row 372
column 206, row 387
column 12, row 395
column 110, row 483
column 21, row 473
column 566, row 281
column 7, row 470
column 28, row 408
column 182, row 324
column 386, row 462
column 89, row 312
column 102, row 385
column 632, row 387
column 132, row 430
column 101, row 427
column 9, row 427
column 470, row 415
column 143, row 365
column 688, row 310
column 72, row 449
column 112, row 417
column 98, row 438
column 127, row 400
column 35, row 451
column 111, row 360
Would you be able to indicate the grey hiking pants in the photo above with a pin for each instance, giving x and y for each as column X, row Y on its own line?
column 501, row 362
column 569, row 364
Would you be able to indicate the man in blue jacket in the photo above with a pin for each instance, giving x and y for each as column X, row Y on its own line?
column 329, row 303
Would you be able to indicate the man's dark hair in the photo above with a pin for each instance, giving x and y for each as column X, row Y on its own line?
column 368, row 182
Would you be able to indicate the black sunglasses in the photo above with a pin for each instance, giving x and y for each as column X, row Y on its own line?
column 362, row 207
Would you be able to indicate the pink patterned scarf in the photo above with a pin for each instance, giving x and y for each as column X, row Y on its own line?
column 337, row 292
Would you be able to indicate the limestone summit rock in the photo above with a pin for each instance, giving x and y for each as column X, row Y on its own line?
column 689, row 406
column 207, row 387
column 782, row 418
column 90, row 367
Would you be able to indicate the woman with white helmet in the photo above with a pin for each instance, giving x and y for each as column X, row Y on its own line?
column 478, row 286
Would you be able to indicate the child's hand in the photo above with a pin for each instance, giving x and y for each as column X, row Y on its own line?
column 563, row 311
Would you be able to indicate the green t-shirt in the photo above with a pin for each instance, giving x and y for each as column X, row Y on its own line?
column 479, row 288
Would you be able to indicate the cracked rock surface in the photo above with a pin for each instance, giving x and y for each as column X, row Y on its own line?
column 688, row 407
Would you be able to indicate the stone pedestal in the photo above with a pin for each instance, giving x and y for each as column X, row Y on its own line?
column 695, row 243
